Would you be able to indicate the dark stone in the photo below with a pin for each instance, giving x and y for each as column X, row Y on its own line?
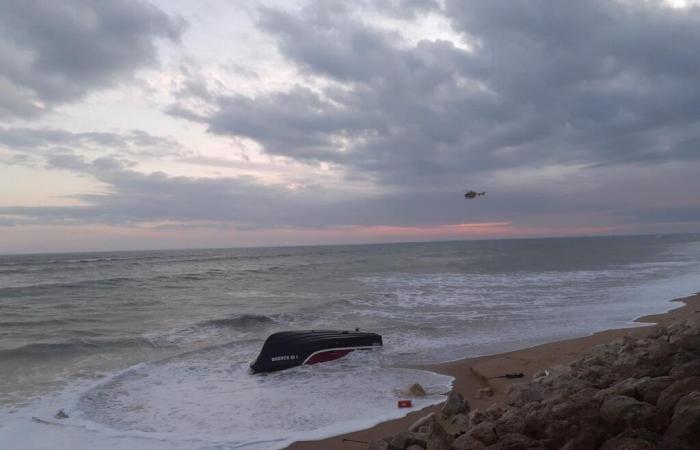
column 466, row 442
column 625, row 443
column 408, row 438
column 621, row 412
column 484, row 432
column 685, row 426
column 455, row 404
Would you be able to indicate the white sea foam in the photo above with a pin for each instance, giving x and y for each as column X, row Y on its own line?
column 201, row 401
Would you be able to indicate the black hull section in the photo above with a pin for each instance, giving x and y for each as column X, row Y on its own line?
column 293, row 348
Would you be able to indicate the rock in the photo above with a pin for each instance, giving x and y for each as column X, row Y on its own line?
column 689, row 400
column 486, row 392
column 454, row 404
column 415, row 390
column 648, row 389
column 522, row 393
column 565, row 409
column 560, row 431
column 460, row 421
column 407, row 438
column 514, row 441
column 439, row 439
column 685, row 335
column 466, row 442
column 685, row 370
column 61, row 414
column 631, row 394
column 378, row 444
column 484, row 432
column 625, row 443
column 496, row 410
column 436, row 438
column 670, row 395
column 476, row 416
column 659, row 331
column 587, row 438
column 641, row 434
column 625, row 387
column 424, row 422
column 510, row 422
column 685, row 426
column 620, row 412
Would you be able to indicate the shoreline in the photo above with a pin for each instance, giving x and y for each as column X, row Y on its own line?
column 472, row 374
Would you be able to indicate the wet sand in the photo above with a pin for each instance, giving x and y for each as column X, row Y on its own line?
column 472, row 374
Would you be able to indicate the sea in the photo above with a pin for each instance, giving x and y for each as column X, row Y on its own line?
column 151, row 349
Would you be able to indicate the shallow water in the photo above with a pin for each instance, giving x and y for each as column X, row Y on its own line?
column 150, row 349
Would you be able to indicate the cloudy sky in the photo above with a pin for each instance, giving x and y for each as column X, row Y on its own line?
column 131, row 124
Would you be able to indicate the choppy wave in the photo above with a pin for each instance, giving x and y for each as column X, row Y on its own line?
column 72, row 348
column 241, row 321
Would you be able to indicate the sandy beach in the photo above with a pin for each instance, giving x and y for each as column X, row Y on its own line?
column 472, row 374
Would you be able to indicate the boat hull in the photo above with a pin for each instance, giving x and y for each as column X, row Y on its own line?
column 289, row 349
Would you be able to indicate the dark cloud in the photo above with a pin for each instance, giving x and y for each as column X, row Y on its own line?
column 646, row 195
column 546, row 86
column 592, row 82
column 56, row 52
column 45, row 141
column 134, row 197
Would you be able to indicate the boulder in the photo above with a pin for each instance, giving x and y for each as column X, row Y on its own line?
column 476, row 416
column 466, row 442
column 558, row 432
column 439, row 442
column 455, row 404
column 685, row 426
column 460, row 421
column 379, row 444
column 659, row 331
column 438, row 438
column 405, row 439
column 690, row 400
column 669, row 396
column 685, row 370
column 642, row 434
column 587, row 438
column 625, row 387
column 484, row 432
column 425, row 424
column 625, row 443
column 511, row 421
column 685, row 335
column 648, row 389
column 496, row 410
column 415, row 390
column 514, row 441
column 522, row 393
column 621, row 412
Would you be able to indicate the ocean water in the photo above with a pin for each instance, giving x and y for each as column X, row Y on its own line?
column 150, row 350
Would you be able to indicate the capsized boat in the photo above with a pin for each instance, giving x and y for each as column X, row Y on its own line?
column 288, row 349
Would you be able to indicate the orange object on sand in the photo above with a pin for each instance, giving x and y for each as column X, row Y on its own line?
column 405, row 403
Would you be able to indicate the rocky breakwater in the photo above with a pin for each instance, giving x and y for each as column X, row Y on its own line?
column 631, row 394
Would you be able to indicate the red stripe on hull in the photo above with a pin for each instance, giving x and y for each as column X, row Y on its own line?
column 327, row 356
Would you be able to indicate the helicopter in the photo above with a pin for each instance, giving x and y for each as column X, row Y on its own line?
column 473, row 194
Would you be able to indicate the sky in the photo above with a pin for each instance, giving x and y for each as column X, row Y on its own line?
column 135, row 124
